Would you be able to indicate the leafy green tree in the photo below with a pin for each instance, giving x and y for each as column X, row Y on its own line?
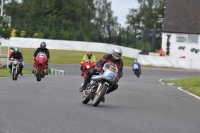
column 5, row 30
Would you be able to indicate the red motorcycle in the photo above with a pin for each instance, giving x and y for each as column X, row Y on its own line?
column 87, row 65
column 40, row 66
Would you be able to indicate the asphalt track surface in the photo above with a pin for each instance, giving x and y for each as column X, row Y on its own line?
column 139, row 105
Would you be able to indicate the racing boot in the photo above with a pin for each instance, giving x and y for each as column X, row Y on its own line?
column 103, row 100
column 83, row 87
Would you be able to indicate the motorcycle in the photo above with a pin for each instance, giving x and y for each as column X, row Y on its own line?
column 15, row 68
column 100, row 84
column 135, row 68
column 87, row 65
column 40, row 66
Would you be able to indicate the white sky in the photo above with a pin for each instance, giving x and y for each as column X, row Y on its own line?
column 121, row 8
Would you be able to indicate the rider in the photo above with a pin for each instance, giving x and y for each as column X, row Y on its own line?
column 90, row 57
column 42, row 48
column 16, row 55
column 136, row 66
column 11, row 50
column 114, row 57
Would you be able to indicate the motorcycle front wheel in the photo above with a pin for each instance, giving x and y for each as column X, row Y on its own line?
column 137, row 73
column 38, row 76
column 14, row 74
column 99, row 96
column 85, row 100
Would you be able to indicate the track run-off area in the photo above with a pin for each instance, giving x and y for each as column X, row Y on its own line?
column 139, row 105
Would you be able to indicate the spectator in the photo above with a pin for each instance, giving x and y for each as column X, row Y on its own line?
column 162, row 52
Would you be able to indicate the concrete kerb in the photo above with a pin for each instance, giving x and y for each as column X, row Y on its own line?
column 56, row 71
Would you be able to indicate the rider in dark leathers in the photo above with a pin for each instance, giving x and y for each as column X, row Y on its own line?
column 114, row 57
column 42, row 48
column 16, row 55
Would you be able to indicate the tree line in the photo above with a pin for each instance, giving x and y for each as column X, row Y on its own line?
column 83, row 20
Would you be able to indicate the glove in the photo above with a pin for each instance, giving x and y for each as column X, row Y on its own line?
column 99, row 69
column 117, row 79
column 81, row 67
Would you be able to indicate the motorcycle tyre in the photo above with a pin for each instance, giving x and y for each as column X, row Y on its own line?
column 102, row 93
column 14, row 75
column 38, row 76
column 85, row 100
column 137, row 73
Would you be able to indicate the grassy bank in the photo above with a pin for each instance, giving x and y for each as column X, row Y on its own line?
column 64, row 56
column 57, row 57
column 190, row 84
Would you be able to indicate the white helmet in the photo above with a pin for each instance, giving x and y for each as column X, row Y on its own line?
column 116, row 53
column 135, row 61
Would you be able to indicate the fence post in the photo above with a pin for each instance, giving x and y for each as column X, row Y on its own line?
column 153, row 43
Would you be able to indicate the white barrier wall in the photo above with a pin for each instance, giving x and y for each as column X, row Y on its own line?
column 69, row 45
column 174, row 46
column 168, row 61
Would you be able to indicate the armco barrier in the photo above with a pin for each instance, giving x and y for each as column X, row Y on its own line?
column 57, row 72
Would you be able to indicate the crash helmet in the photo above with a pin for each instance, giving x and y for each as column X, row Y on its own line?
column 89, row 54
column 116, row 53
column 135, row 61
column 43, row 45
column 16, row 50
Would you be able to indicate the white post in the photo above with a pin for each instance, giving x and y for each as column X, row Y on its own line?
column 0, row 48
column 1, row 7
column 8, row 54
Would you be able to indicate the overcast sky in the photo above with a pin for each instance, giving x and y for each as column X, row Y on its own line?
column 120, row 8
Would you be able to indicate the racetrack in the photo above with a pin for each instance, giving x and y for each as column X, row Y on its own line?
column 140, row 105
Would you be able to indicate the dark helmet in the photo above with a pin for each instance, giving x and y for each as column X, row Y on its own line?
column 89, row 54
column 16, row 50
column 43, row 45
column 12, row 48
column 116, row 53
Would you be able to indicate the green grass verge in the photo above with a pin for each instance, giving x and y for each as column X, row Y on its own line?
column 64, row 56
column 5, row 72
column 190, row 84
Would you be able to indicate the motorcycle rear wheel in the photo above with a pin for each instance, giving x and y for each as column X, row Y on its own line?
column 98, row 97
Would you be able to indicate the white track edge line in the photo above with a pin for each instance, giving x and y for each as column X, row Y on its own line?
column 180, row 88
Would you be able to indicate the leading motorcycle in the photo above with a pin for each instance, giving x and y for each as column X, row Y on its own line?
column 15, row 68
column 100, row 84
column 40, row 66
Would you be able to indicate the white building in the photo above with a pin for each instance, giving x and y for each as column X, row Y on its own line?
column 182, row 25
